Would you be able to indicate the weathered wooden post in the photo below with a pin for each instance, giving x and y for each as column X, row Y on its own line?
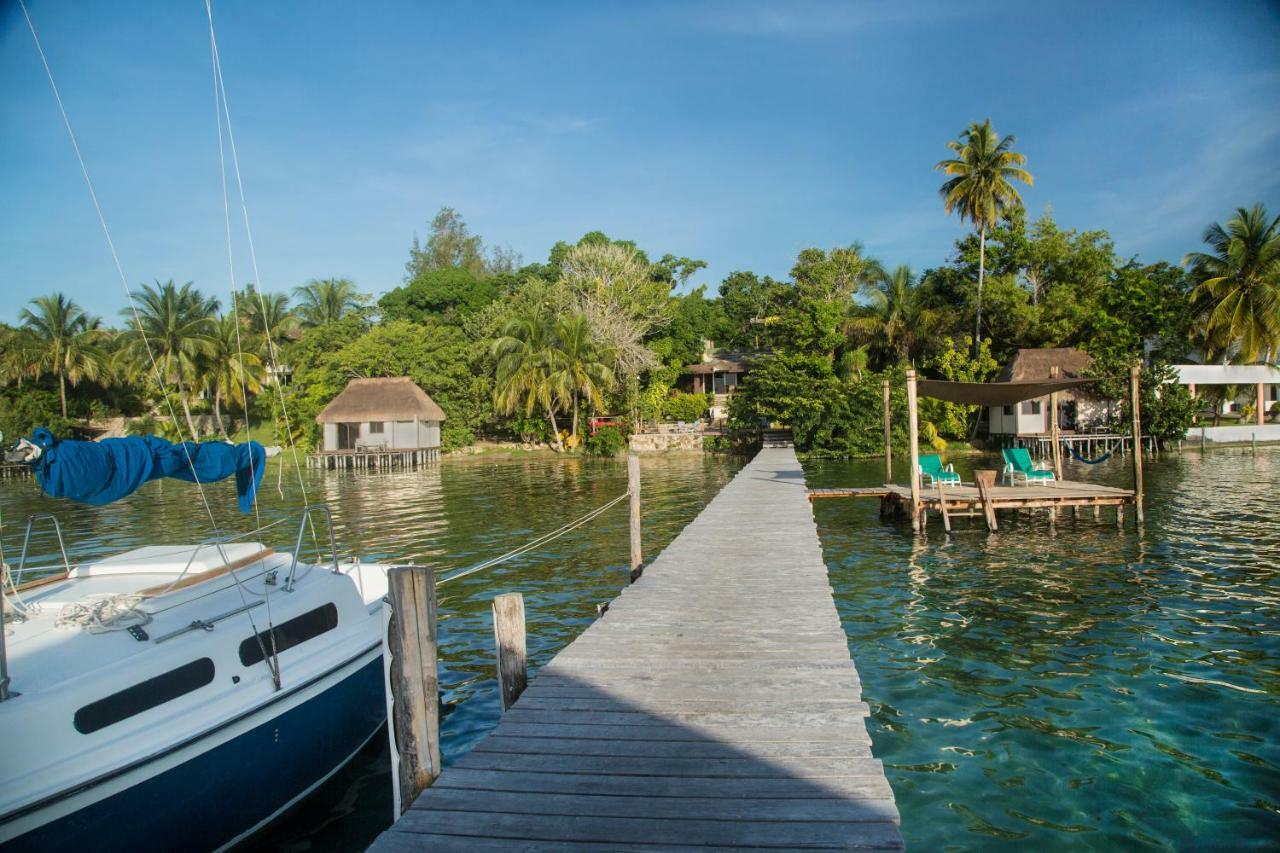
column 411, row 659
column 633, row 489
column 509, row 639
column 1053, row 427
column 913, row 430
column 888, row 437
column 1134, row 373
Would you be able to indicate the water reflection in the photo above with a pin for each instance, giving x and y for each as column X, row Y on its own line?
column 1071, row 685
column 451, row 516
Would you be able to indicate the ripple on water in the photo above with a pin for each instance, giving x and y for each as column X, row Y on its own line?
column 1072, row 686
column 451, row 515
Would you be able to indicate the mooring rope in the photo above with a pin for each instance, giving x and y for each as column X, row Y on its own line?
column 535, row 543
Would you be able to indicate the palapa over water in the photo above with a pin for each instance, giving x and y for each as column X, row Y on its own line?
column 382, row 399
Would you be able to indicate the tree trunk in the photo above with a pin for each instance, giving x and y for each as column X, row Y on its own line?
column 575, row 414
column 555, row 430
column 62, row 392
column 217, row 410
column 186, row 410
column 982, row 274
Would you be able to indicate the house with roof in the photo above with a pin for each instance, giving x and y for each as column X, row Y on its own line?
column 718, row 374
column 1079, row 409
column 383, row 415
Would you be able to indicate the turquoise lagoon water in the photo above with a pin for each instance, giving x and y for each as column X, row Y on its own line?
column 1075, row 687
column 1070, row 687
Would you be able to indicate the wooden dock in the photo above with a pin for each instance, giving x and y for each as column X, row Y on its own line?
column 338, row 460
column 715, row 704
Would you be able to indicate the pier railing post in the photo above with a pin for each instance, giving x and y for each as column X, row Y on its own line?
column 415, row 686
column 509, row 638
column 1134, row 373
column 888, row 436
column 913, row 429
column 633, row 489
column 1054, row 436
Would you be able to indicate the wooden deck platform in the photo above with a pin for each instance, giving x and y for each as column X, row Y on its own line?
column 968, row 500
column 714, row 705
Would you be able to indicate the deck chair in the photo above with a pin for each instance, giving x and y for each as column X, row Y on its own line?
column 931, row 467
column 1018, row 468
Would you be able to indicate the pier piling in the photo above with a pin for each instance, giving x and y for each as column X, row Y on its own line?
column 509, row 638
column 633, row 490
column 411, row 656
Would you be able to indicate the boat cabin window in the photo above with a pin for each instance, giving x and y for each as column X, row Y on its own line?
column 286, row 635
column 144, row 696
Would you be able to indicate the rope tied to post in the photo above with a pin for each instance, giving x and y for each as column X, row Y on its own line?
column 538, row 542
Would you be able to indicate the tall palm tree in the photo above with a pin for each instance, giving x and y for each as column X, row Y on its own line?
column 895, row 321
column 64, row 340
column 1237, row 293
column 983, row 167
column 177, row 325
column 578, row 369
column 525, row 356
column 326, row 300
column 233, row 369
column 17, row 360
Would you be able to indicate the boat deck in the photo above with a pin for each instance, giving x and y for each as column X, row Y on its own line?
column 715, row 704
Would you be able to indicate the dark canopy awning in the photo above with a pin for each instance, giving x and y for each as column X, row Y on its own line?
column 995, row 393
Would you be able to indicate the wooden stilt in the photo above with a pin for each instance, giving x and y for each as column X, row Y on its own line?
column 509, row 639
column 888, row 435
column 942, row 507
column 1134, row 373
column 633, row 489
column 414, row 681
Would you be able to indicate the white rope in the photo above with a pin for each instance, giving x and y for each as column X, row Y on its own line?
column 115, row 257
column 535, row 543
column 100, row 614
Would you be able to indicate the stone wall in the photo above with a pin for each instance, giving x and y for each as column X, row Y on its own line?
column 658, row 442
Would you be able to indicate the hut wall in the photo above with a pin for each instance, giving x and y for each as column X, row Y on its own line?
column 403, row 434
column 330, row 437
column 429, row 434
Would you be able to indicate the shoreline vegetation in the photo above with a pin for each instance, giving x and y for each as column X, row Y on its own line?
column 526, row 353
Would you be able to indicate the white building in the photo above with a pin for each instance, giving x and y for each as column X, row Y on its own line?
column 1078, row 409
column 1262, row 380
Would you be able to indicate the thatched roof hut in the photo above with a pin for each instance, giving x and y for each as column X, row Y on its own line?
column 1033, row 365
column 381, row 414
column 393, row 399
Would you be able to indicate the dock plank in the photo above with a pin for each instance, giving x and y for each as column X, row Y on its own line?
column 715, row 704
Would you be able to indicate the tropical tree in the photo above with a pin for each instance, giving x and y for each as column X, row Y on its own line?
column 525, row 368
column 267, row 315
column 579, row 371
column 63, row 340
column 981, row 190
column 171, row 331
column 326, row 300
column 233, row 369
column 1236, row 299
column 895, row 322
column 16, row 359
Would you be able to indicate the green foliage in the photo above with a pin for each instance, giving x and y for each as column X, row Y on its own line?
column 607, row 441
column 956, row 363
column 680, row 406
column 438, row 293
column 1168, row 410
column 23, row 411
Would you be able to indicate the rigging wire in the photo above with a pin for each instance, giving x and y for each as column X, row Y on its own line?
column 115, row 257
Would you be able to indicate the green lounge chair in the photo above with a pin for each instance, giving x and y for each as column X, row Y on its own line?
column 931, row 467
column 1018, row 468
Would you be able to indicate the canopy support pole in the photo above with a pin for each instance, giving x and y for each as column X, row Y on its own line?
column 1134, row 372
column 888, row 443
column 913, row 428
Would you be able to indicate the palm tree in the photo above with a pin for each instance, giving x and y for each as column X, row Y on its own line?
column 233, row 368
column 578, row 370
column 983, row 166
column 174, row 326
column 326, row 300
column 895, row 321
column 17, row 361
column 268, row 315
column 64, row 340
column 525, row 366
column 1237, row 293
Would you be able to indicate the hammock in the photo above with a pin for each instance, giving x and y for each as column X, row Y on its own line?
column 1103, row 458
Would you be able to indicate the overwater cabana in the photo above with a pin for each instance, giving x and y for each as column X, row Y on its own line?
column 984, row 496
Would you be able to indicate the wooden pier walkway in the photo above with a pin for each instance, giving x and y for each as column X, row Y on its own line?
column 714, row 705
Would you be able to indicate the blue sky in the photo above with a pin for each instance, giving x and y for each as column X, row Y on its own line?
column 736, row 132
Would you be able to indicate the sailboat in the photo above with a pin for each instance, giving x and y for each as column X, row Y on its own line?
column 177, row 696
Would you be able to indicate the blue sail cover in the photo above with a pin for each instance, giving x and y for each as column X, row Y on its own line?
column 99, row 472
